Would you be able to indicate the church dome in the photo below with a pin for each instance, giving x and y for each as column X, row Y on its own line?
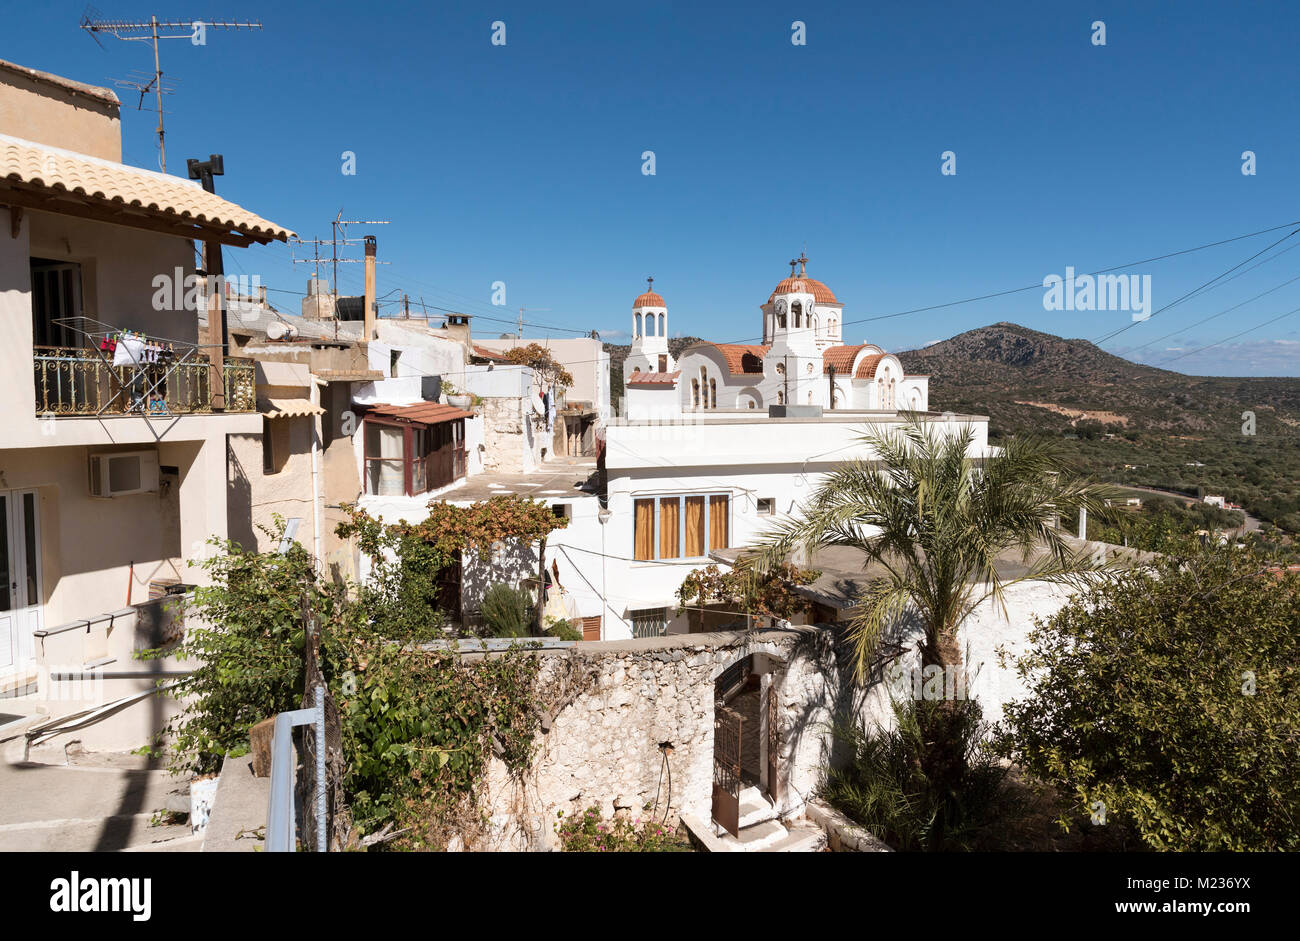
column 802, row 284
column 649, row 299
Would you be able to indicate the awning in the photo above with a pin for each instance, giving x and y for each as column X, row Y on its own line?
column 424, row 413
column 36, row 176
column 288, row 408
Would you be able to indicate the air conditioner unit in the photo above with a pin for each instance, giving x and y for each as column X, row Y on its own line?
column 122, row 473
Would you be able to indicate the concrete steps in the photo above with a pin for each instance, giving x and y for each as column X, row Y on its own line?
column 755, row 808
column 760, row 830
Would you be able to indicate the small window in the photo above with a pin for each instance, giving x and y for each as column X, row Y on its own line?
column 561, row 510
column 766, row 506
column 393, row 357
column 649, row 622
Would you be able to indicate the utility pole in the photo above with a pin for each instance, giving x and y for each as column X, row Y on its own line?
column 214, row 268
column 150, row 32
column 520, row 334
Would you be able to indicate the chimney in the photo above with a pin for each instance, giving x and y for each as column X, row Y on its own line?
column 370, row 289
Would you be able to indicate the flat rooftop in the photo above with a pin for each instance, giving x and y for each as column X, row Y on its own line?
column 740, row 416
column 554, row 480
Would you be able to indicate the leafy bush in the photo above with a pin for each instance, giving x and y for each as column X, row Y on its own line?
column 245, row 631
column 884, row 788
column 562, row 629
column 1167, row 700
column 508, row 611
column 589, row 833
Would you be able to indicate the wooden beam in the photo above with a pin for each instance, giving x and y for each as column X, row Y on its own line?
column 15, row 221
column 73, row 204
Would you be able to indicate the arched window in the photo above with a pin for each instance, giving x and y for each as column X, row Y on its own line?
column 780, row 397
column 695, row 393
column 812, row 322
column 663, row 325
column 830, row 326
column 797, row 310
column 636, row 324
column 704, row 387
column 892, row 384
column 713, row 393
column 835, row 398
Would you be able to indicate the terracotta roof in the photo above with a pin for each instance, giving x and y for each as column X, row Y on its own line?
column 484, row 353
column 867, row 368
column 805, row 285
column 841, row 357
column 425, row 413
column 27, row 166
column 287, row 408
column 654, row 378
column 649, row 299
column 742, row 358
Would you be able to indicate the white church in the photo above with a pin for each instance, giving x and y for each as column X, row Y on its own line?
column 802, row 362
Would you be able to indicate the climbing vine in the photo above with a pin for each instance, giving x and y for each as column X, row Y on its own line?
column 770, row 593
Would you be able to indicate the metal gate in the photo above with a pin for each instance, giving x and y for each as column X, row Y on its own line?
column 726, row 768
column 774, row 789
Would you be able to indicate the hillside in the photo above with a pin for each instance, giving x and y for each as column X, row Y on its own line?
column 1114, row 412
column 618, row 353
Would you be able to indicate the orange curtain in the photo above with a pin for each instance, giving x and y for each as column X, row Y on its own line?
column 669, row 525
column 718, row 522
column 694, row 527
column 644, row 539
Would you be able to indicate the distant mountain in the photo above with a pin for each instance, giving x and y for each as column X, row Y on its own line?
column 998, row 369
column 1125, row 422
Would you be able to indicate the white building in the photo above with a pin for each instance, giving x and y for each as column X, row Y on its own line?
column 716, row 447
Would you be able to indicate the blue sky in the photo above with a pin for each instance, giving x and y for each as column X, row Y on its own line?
column 522, row 163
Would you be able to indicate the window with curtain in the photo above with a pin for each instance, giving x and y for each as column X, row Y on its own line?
column 385, row 460
column 680, row 527
column 644, row 512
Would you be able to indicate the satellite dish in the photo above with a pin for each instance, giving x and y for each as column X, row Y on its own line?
column 538, row 405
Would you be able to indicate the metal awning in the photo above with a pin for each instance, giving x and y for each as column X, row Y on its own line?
column 423, row 413
column 288, row 408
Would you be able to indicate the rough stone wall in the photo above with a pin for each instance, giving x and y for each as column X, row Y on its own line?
column 602, row 749
column 510, row 445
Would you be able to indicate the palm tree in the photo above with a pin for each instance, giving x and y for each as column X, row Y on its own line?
column 935, row 520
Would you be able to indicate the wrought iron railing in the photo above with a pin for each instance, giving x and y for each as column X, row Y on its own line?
column 72, row 381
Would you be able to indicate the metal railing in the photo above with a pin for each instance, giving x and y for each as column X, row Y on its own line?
column 80, row 381
column 281, row 822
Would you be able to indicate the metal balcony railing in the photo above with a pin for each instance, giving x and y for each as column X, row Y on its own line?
column 79, row 381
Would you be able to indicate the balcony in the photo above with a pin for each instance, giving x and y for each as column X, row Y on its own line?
column 74, row 381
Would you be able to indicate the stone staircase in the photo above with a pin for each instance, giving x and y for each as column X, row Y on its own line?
column 761, row 832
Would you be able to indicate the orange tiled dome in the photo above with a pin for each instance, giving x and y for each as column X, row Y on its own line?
column 805, row 285
column 649, row 299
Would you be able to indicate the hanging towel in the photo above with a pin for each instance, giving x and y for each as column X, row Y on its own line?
column 129, row 352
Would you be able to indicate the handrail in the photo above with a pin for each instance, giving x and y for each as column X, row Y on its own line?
column 280, row 816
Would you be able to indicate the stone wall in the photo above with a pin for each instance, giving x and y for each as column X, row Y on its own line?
column 602, row 748
column 510, row 444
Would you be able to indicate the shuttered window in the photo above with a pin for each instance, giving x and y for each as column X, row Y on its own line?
column 688, row 526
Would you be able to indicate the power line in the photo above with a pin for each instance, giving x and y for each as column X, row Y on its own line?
column 1219, row 314
column 1179, row 300
column 1233, row 337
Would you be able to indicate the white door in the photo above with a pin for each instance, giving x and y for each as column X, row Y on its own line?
column 20, row 576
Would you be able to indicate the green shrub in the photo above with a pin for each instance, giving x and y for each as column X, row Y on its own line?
column 562, row 629
column 507, row 611
column 884, row 789
column 1166, row 700
column 590, row 833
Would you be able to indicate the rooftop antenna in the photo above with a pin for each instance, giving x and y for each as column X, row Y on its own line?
column 520, row 334
column 150, row 32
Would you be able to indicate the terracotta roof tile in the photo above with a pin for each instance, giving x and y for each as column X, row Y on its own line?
column 425, row 413
column 654, row 378
column 649, row 299
column 841, row 357
column 805, row 285
column 116, row 184
column 484, row 353
column 742, row 358
column 867, row 368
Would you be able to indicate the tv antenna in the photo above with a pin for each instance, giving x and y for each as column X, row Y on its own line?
column 520, row 334
column 150, row 32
